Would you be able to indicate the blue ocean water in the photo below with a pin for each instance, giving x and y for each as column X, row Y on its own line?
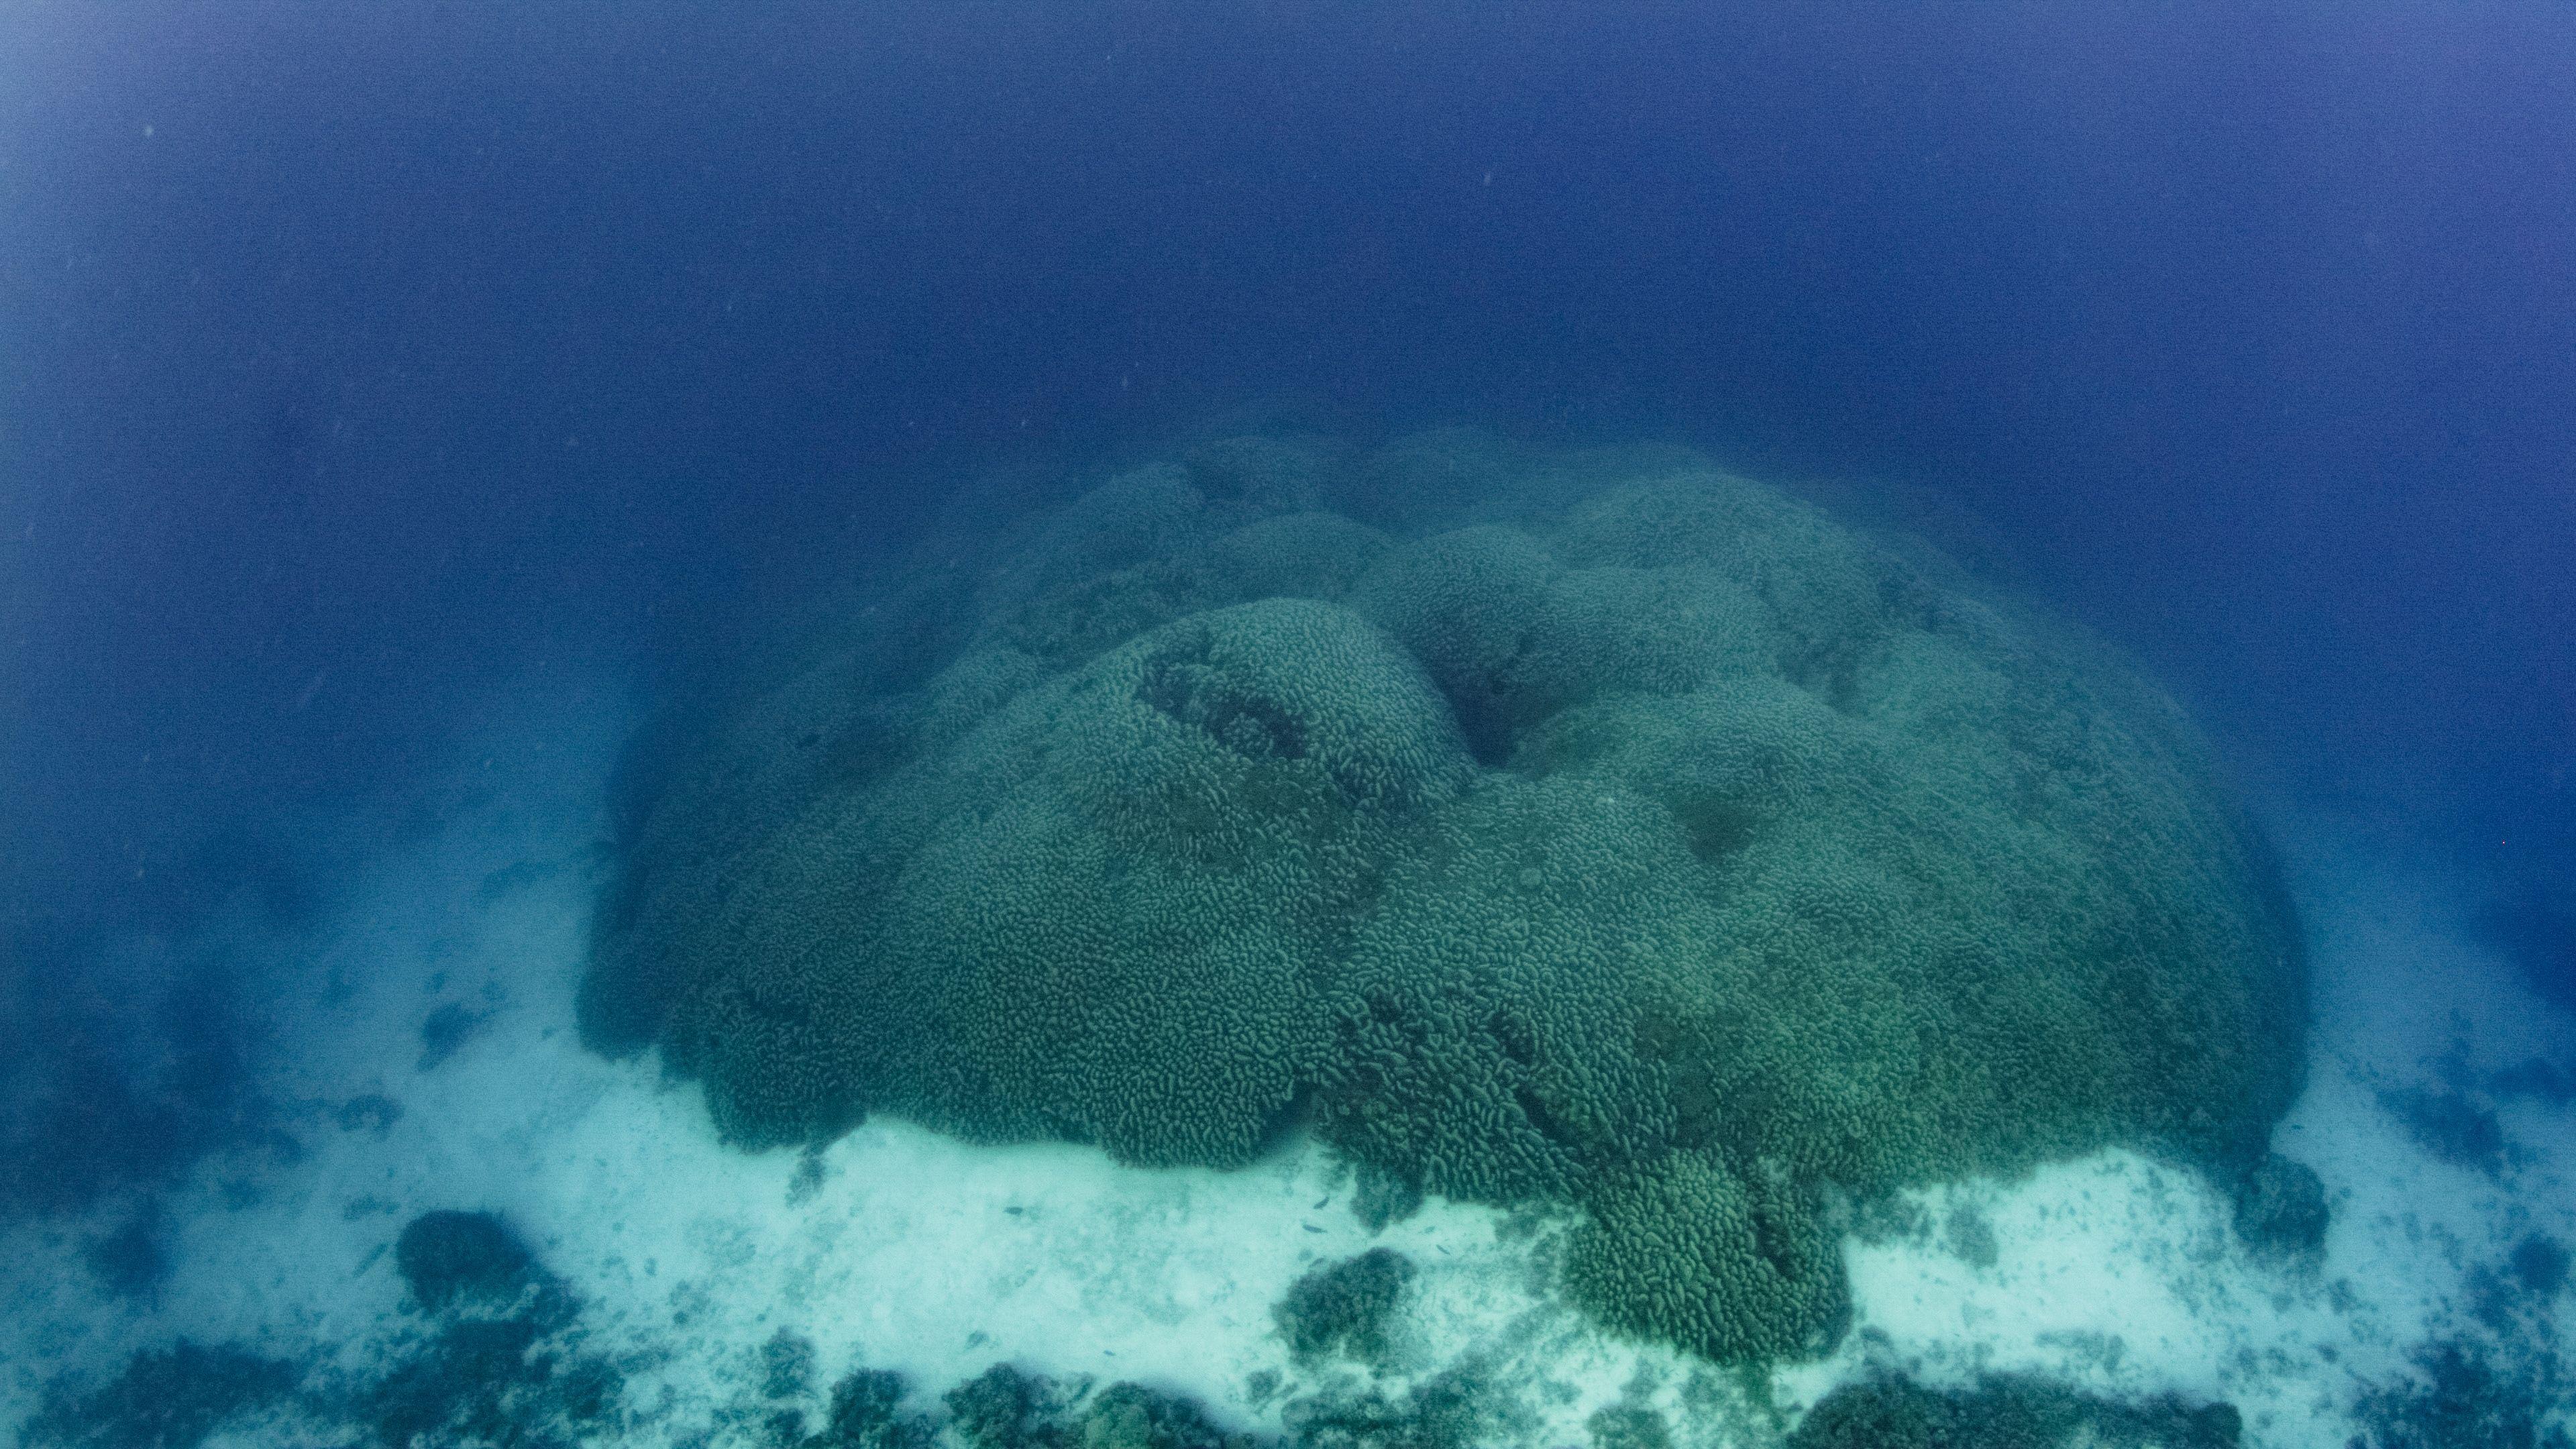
column 403, row 399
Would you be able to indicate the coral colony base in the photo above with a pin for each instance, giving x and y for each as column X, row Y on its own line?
column 1438, row 947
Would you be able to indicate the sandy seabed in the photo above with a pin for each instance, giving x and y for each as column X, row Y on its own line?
column 421, row 1052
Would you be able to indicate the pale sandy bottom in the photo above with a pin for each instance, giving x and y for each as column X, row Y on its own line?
column 904, row 1250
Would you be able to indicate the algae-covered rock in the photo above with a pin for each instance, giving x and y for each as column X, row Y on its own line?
column 2281, row 1209
column 1343, row 1307
column 867, row 1412
column 2008, row 1412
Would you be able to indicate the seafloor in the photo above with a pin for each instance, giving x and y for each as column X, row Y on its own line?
column 419, row 1037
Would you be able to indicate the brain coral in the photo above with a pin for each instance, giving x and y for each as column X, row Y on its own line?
column 1648, row 843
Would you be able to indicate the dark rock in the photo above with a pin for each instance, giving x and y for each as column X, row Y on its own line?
column 448, row 1028
column 166, row 1399
column 447, row 1256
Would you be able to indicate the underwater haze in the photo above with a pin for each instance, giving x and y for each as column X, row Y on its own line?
column 1309, row 724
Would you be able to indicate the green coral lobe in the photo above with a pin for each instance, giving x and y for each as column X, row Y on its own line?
column 1650, row 845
